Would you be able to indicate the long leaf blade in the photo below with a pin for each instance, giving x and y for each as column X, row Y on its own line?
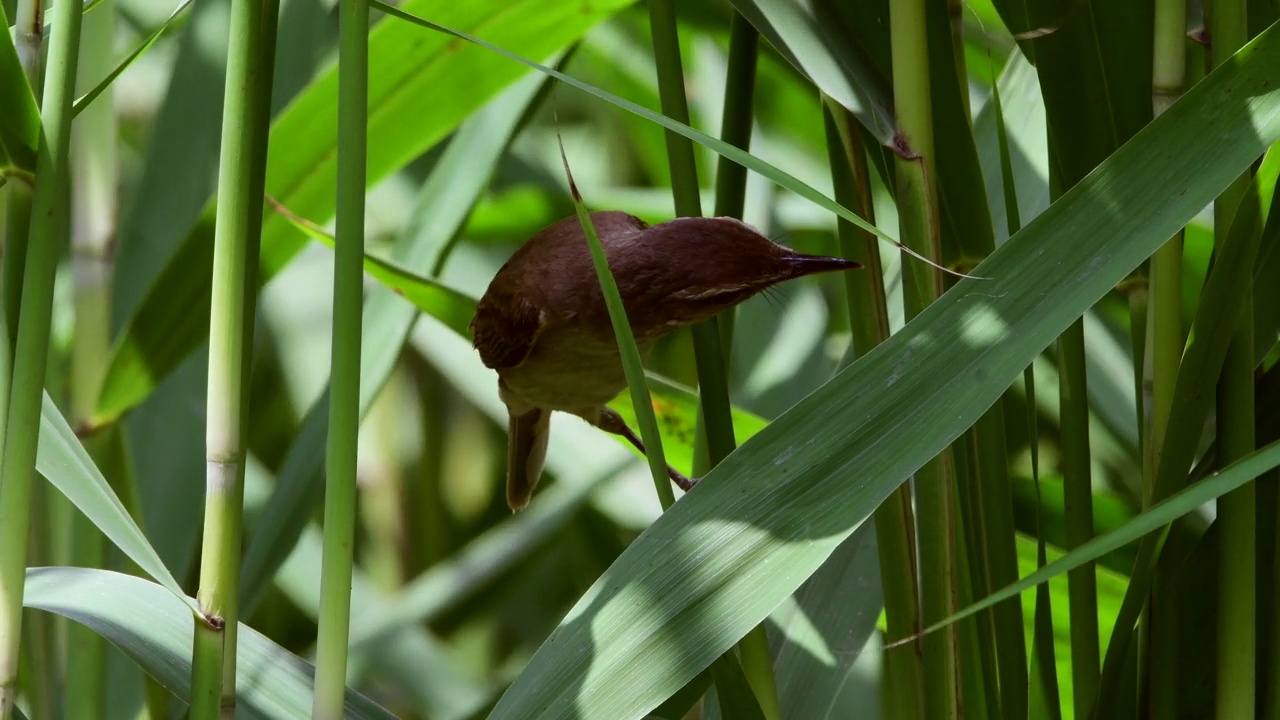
column 732, row 549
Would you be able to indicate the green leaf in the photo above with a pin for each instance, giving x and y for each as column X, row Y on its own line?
column 65, row 463
column 817, row 42
column 20, row 121
column 735, row 547
column 421, row 87
column 826, row 632
column 155, row 629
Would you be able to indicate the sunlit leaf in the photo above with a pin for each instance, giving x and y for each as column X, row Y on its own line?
column 155, row 629
column 732, row 549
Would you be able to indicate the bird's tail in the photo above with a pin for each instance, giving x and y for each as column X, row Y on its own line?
column 526, row 454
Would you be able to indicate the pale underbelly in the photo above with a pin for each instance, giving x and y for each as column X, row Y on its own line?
column 571, row 375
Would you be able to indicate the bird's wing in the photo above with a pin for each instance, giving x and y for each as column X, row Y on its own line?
column 504, row 332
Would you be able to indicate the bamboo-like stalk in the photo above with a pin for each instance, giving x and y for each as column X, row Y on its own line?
column 714, row 392
column 731, row 191
column 1042, row 696
column 869, row 326
column 241, row 171
column 344, row 394
column 1082, row 584
column 1160, row 359
column 1236, row 690
column 713, row 384
column 93, row 225
column 918, row 219
column 1270, row 675
column 28, row 39
column 955, row 13
column 49, row 228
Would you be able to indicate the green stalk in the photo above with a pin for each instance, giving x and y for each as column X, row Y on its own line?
column 955, row 11
column 28, row 40
column 1271, row 674
column 918, row 217
column 93, row 207
column 735, row 125
column 241, row 171
column 1227, row 23
column 731, row 183
column 709, row 355
column 992, row 553
column 344, row 395
column 1237, row 513
column 1042, row 699
column 1082, row 595
column 1161, row 356
column 714, row 389
column 40, row 647
column 632, row 365
column 50, row 226
column 1208, row 341
column 869, row 326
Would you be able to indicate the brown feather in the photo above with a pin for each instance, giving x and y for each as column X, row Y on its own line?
column 526, row 454
column 543, row 324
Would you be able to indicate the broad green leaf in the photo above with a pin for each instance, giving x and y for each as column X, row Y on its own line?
column 155, row 629
column 20, row 120
column 65, row 463
column 422, row 86
column 731, row 550
column 816, row 40
column 826, row 634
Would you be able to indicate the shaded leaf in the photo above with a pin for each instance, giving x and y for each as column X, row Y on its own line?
column 155, row 629
column 732, row 549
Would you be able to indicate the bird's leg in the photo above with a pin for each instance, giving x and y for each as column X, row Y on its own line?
column 612, row 422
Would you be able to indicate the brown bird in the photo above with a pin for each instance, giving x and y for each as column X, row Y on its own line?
column 543, row 324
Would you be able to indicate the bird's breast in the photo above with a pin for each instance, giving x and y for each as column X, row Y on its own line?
column 568, row 370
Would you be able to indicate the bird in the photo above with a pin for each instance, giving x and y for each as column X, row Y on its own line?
column 542, row 324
